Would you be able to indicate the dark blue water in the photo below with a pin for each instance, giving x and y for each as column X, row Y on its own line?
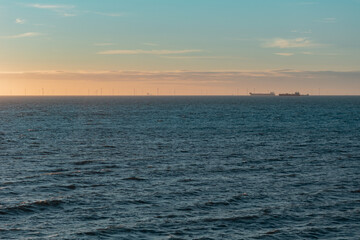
column 180, row 168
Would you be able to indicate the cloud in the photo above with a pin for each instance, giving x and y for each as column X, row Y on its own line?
column 62, row 10
column 239, row 39
column 109, row 14
column 150, row 44
column 22, row 35
column 199, row 57
column 289, row 43
column 328, row 20
column 180, row 74
column 284, row 54
column 103, row 44
column 47, row 6
column 19, row 21
column 149, row 52
column 68, row 15
column 302, row 32
column 276, row 79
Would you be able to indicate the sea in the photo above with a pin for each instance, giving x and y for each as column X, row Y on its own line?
column 180, row 167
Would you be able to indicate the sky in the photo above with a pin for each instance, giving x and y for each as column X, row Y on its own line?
column 179, row 47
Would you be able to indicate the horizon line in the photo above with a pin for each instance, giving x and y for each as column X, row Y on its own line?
column 170, row 95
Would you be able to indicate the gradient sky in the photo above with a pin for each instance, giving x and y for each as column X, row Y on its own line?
column 179, row 47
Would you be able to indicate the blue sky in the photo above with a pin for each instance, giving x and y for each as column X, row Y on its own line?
column 180, row 35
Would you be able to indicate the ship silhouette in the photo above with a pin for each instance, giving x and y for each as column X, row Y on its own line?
column 262, row 94
column 296, row 94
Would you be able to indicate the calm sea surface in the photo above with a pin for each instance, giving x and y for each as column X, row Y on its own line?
column 180, row 168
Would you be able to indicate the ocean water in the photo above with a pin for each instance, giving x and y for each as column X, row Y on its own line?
column 180, row 168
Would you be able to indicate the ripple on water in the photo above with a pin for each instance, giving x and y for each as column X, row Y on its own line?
column 31, row 207
column 180, row 168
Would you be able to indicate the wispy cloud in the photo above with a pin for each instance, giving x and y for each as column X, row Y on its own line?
column 289, row 43
column 68, row 10
column 328, row 20
column 22, row 35
column 151, row 44
column 61, row 10
column 284, row 54
column 109, row 14
column 200, row 57
column 49, row 6
column 279, row 77
column 302, row 31
column 244, row 39
column 150, row 52
column 103, row 44
column 19, row 21
column 68, row 14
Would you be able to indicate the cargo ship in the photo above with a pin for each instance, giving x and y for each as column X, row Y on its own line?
column 262, row 94
column 296, row 94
